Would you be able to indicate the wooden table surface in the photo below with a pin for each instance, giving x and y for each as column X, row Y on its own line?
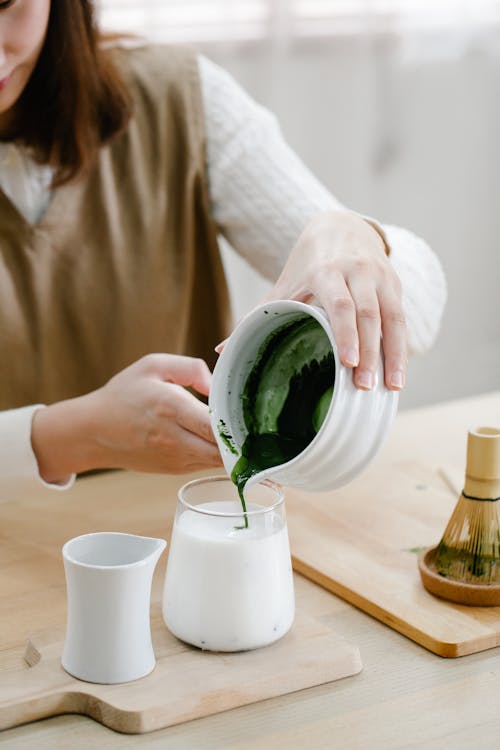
column 406, row 697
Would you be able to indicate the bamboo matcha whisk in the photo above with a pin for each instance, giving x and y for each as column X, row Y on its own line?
column 470, row 548
column 465, row 566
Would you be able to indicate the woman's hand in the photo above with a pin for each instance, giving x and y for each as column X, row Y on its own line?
column 340, row 262
column 142, row 419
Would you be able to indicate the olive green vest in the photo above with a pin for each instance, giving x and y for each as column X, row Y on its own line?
column 125, row 261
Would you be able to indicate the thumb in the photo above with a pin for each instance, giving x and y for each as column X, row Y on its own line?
column 272, row 295
column 220, row 346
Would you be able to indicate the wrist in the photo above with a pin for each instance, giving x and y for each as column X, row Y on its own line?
column 341, row 225
column 63, row 439
column 378, row 229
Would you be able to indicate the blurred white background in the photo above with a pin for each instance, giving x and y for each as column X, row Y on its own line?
column 395, row 106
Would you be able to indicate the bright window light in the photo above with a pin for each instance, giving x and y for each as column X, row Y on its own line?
column 232, row 20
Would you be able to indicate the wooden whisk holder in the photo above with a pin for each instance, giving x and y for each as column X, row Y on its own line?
column 465, row 566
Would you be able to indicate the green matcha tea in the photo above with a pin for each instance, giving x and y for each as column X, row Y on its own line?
column 285, row 398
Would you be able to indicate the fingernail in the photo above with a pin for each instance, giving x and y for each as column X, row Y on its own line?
column 364, row 379
column 397, row 379
column 218, row 348
column 351, row 357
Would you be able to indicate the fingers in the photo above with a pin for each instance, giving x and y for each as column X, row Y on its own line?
column 175, row 450
column 196, row 452
column 394, row 339
column 174, row 368
column 369, row 327
column 360, row 311
column 193, row 416
column 337, row 300
column 183, row 433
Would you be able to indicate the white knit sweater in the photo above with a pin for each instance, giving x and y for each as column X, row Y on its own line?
column 262, row 197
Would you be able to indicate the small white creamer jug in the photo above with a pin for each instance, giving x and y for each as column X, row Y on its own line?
column 108, row 582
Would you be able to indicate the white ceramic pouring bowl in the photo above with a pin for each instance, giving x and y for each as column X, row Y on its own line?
column 353, row 430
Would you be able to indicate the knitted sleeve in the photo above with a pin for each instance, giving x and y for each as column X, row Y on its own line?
column 263, row 196
column 18, row 464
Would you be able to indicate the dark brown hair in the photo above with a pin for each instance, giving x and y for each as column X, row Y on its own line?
column 75, row 100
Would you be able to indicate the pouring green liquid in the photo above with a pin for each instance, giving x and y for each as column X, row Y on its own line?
column 285, row 398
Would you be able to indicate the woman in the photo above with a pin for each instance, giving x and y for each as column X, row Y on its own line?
column 118, row 168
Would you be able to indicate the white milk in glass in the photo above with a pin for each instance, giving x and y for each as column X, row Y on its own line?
column 229, row 588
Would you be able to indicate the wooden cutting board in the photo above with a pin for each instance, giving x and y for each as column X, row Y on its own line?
column 186, row 683
column 362, row 541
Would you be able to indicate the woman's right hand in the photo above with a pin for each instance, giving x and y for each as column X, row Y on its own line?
column 142, row 419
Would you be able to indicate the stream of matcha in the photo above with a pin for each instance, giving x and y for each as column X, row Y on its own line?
column 285, row 398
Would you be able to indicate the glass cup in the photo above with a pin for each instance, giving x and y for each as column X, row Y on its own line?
column 228, row 585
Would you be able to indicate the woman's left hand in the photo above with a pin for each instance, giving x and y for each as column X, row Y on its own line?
column 340, row 262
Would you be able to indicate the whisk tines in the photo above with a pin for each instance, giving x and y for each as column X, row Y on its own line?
column 469, row 550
